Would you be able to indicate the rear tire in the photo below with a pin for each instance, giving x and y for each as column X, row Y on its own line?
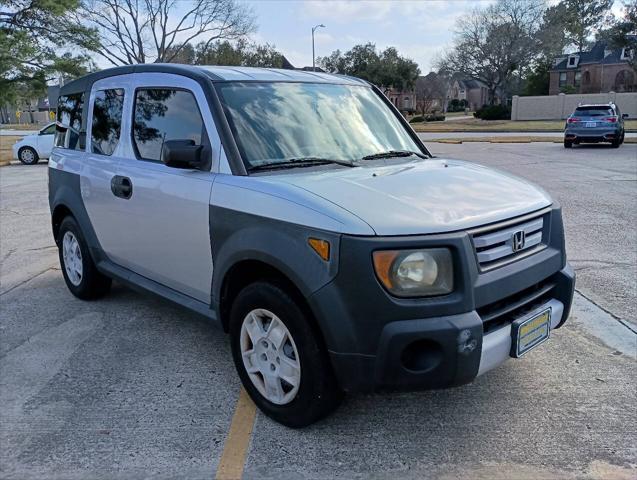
column 616, row 143
column 272, row 341
column 28, row 156
column 80, row 273
column 568, row 144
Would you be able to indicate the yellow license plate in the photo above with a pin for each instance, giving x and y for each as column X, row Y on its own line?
column 527, row 333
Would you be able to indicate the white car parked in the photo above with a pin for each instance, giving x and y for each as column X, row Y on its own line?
column 31, row 148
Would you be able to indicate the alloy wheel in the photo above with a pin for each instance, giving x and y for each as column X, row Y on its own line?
column 270, row 356
column 72, row 258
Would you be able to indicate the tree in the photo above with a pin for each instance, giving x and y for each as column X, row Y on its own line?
column 623, row 31
column 583, row 18
column 496, row 45
column 387, row 70
column 431, row 92
column 551, row 35
column 31, row 33
column 240, row 53
column 134, row 31
column 537, row 81
column 552, row 41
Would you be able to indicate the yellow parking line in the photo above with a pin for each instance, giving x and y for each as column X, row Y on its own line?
column 236, row 447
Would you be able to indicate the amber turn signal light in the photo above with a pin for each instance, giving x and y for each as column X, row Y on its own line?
column 382, row 264
column 322, row 247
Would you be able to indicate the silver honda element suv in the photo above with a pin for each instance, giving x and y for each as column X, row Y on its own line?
column 300, row 213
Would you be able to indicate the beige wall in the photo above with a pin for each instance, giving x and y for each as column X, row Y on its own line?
column 555, row 107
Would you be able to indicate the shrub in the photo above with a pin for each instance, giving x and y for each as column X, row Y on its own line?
column 493, row 112
column 417, row 119
column 456, row 105
column 434, row 117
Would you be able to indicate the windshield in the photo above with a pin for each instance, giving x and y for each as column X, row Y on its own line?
column 592, row 112
column 277, row 122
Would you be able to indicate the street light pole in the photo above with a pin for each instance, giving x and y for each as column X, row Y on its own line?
column 313, row 61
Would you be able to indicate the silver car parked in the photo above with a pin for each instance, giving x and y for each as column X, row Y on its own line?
column 300, row 213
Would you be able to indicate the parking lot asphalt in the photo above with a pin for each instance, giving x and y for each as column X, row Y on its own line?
column 133, row 387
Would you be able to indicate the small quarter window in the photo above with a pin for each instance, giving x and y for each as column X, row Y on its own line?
column 164, row 114
column 107, row 120
column 69, row 121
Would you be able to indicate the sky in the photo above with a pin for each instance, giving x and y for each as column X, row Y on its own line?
column 419, row 29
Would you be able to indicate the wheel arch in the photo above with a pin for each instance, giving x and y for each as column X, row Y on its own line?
column 59, row 213
column 250, row 270
column 65, row 198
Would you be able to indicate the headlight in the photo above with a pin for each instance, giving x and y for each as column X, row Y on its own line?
column 415, row 273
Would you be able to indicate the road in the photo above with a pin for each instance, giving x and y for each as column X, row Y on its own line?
column 132, row 387
column 432, row 135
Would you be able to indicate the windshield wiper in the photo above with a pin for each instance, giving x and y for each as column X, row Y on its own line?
column 299, row 162
column 393, row 153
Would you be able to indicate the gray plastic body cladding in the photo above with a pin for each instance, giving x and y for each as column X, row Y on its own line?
column 356, row 297
column 238, row 236
column 365, row 327
column 64, row 189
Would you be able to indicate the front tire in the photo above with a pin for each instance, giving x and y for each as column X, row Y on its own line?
column 80, row 274
column 282, row 365
column 28, row 156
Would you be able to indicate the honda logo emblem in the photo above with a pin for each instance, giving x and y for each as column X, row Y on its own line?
column 518, row 239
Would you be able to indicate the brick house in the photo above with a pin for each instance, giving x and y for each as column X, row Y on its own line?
column 601, row 69
column 473, row 91
column 404, row 100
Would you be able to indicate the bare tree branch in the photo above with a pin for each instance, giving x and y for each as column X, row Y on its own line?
column 140, row 31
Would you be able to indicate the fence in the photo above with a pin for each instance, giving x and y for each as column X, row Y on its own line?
column 556, row 107
column 25, row 117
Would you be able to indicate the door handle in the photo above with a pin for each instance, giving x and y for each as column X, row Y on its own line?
column 122, row 187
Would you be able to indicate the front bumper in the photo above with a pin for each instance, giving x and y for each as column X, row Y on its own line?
column 14, row 148
column 377, row 341
column 443, row 351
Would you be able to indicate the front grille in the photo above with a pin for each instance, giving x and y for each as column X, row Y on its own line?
column 495, row 245
column 504, row 311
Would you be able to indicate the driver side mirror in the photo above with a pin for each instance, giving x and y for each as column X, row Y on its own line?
column 182, row 154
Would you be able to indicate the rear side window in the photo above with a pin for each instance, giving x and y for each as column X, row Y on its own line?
column 107, row 120
column 593, row 112
column 69, row 121
column 164, row 114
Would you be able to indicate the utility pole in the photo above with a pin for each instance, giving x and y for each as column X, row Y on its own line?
column 313, row 58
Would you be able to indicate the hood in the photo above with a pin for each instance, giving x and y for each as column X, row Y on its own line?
column 432, row 196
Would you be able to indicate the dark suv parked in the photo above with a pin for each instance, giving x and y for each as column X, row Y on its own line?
column 594, row 124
